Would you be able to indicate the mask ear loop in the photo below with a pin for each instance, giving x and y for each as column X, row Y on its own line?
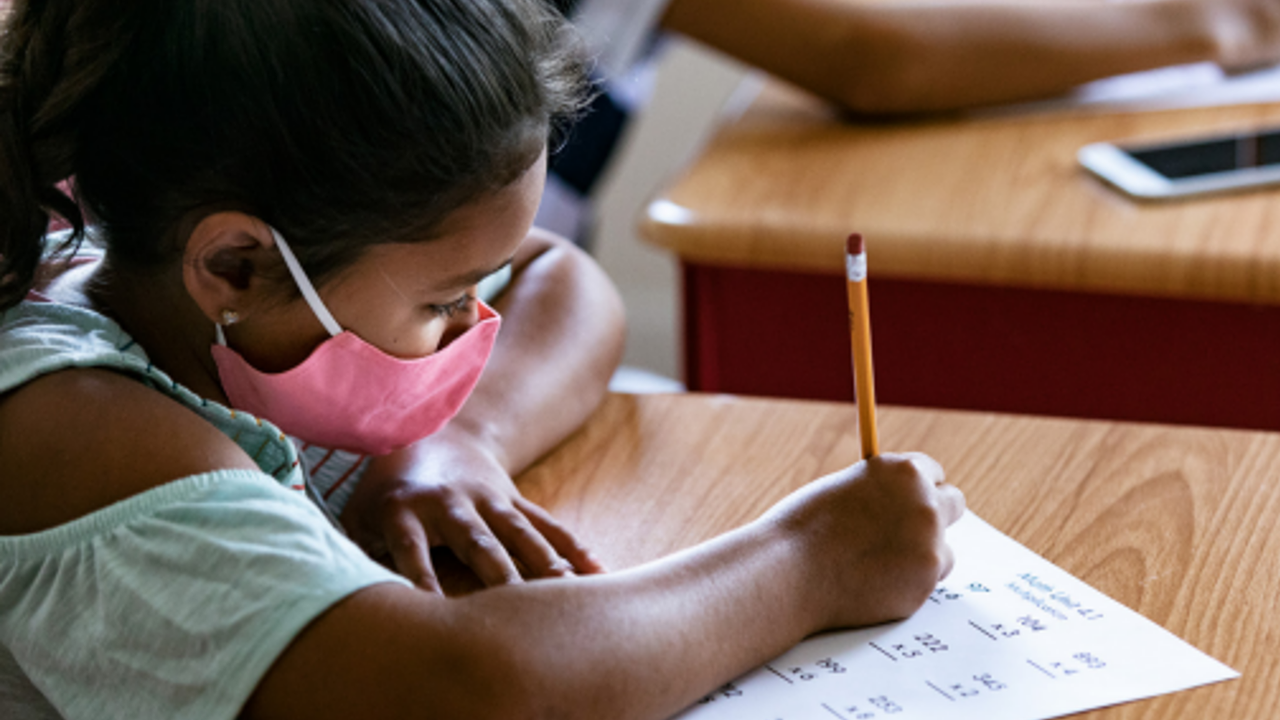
column 304, row 285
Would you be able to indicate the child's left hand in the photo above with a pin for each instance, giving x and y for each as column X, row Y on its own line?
column 561, row 339
column 448, row 490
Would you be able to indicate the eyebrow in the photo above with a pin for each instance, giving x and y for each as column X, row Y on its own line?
column 473, row 278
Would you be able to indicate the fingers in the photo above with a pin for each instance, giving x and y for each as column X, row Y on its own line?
column 534, row 552
column 497, row 541
column 947, row 498
column 542, row 546
column 566, row 545
column 928, row 468
column 502, row 539
column 946, row 560
column 950, row 503
column 469, row 537
column 463, row 531
column 407, row 542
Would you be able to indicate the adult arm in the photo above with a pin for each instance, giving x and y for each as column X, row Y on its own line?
column 560, row 342
column 919, row 56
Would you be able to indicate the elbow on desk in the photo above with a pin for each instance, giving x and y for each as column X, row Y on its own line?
column 883, row 72
column 894, row 89
column 873, row 98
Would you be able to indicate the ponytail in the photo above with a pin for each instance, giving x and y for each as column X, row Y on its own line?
column 52, row 55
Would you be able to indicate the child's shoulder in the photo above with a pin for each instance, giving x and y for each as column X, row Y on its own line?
column 39, row 336
column 81, row 423
column 77, row 440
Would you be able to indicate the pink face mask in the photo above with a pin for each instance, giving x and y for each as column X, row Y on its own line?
column 350, row 395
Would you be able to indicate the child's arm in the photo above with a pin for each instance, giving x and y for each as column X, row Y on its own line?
column 860, row 547
column 912, row 56
column 560, row 341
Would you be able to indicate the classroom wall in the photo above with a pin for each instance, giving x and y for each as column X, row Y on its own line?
column 691, row 89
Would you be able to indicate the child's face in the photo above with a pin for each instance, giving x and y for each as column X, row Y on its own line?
column 411, row 299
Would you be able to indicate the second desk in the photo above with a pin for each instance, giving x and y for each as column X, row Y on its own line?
column 1003, row 277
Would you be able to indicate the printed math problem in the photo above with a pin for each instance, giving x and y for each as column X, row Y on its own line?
column 1007, row 636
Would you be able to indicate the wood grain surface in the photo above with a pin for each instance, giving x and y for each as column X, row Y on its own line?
column 994, row 200
column 1179, row 524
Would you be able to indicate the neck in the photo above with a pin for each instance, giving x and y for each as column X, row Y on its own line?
column 155, row 309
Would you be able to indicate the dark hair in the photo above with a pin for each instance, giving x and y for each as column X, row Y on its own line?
column 342, row 123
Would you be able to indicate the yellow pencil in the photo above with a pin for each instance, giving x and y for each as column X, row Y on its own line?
column 860, row 332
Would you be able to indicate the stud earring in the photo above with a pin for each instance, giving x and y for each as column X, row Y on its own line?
column 230, row 317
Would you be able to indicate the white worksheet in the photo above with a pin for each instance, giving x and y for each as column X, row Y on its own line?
column 1168, row 88
column 1008, row 636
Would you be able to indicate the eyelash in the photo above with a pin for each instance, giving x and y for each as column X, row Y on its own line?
column 462, row 304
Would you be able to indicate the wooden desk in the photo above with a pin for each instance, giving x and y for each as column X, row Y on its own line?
column 1179, row 524
column 1003, row 276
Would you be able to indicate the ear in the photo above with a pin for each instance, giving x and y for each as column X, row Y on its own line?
column 224, row 262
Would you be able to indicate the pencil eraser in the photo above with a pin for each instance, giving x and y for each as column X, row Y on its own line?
column 854, row 245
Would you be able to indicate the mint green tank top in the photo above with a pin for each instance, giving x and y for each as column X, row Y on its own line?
column 174, row 603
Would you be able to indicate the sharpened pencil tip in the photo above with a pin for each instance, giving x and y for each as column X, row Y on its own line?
column 854, row 245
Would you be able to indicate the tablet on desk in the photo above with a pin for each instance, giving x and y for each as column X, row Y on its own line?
column 1195, row 166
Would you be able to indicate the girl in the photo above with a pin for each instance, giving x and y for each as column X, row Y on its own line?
column 296, row 200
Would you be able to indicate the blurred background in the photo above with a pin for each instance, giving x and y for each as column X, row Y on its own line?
column 692, row 88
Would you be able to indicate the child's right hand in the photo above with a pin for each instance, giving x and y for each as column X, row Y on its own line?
column 872, row 538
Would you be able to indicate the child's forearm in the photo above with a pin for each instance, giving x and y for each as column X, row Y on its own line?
column 561, row 340
column 899, row 57
column 640, row 644
column 629, row 646
column 858, row 547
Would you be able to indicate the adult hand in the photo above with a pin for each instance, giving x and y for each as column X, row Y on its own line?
column 448, row 490
column 1246, row 32
column 873, row 537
